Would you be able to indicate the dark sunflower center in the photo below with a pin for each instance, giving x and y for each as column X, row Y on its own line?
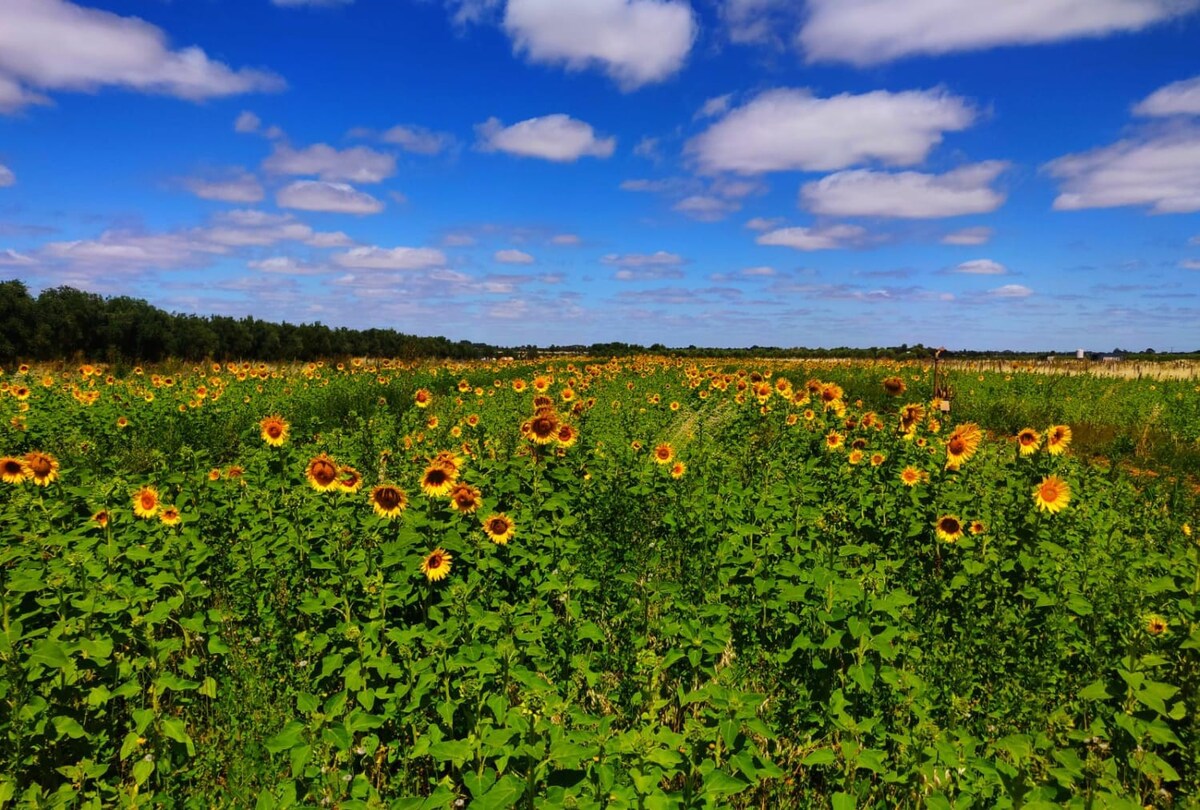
column 388, row 497
column 12, row 467
column 498, row 526
column 323, row 472
column 40, row 465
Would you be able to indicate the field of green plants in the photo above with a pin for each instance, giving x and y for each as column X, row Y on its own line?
column 577, row 583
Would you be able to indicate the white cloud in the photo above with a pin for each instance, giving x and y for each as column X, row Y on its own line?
column 247, row 122
column 57, row 45
column 968, row 236
column 635, row 42
column 358, row 164
column 982, row 267
column 758, row 272
column 125, row 250
column 10, row 258
column 1190, row 264
column 316, row 195
column 831, row 237
column 329, row 239
column 790, row 129
column 512, row 257
column 706, row 208
column 287, row 266
column 555, row 137
column 867, row 32
column 907, row 195
column 566, row 240
column 660, row 258
column 7, row 178
column 647, row 148
column 714, row 107
column 758, row 21
column 241, row 228
column 1161, row 171
column 14, row 97
column 764, row 223
column 398, row 258
column 239, row 187
column 417, row 139
column 668, row 185
column 1011, row 291
column 1178, row 98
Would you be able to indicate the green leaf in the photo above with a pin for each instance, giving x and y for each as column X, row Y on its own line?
column 842, row 801
column 504, row 793
column 457, row 750
column 51, row 654
column 821, row 756
column 176, row 729
column 289, row 737
column 1096, row 690
column 142, row 770
column 209, row 687
column 719, row 783
column 69, row 727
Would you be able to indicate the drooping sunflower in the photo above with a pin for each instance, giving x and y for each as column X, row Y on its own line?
column 438, row 480
column 42, row 468
column 910, row 476
column 12, row 470
column 894, row 386
column 678, row 469
column 1029, row 441
column 543, row 428
column 1052, row 494
column 145, row 502
column 169, row 516
column 499, row 528
column 101, row 518
column 388, row 500
column 949, row 528
column 436, row 565
column 664, row 453
column 322, row 473
column 1058, row 438
column 422, row 398
column 465, row 498
column 962, row 444
column 349, row 479
column 274, row 430
column 911, row 416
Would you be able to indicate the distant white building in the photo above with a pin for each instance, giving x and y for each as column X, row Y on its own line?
column 1079, row 354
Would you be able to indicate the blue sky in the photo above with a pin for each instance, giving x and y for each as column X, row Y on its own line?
column 711, row 172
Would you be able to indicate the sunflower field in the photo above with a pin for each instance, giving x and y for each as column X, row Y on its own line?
column 648, row 583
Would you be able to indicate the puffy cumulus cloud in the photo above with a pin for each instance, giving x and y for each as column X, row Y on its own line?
column 417, row 139
column 1178, row 98
column 124, row 250
column 397, row 258
column 706, row 207
column 337, row 198
column 511, row 256
column 50, row 45
column 968, row 236
column 248, row 227
column 1161, row 171
column 906, row 195
column 7, row 178
column 247, row 122
column 559, row 138
column 636, row 42
column 791, row 129
column 829, row 237
column 330, row 239
column 982, row 267
column 358, row 164
column 237, row 187
column 1011, row 291
column 868, row 32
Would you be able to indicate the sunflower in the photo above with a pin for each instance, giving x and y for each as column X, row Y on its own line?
column 234, row 471
column 388, row 500
column 977, row 527
column 438, row 480
column 436, row 564
column 12, row 470
column 349, row 479
column 910, row 476
column 833, row 440
column 42, row 468
column 809, row 414
column 664, row 453
column 1052, row 495
column 169, row 516
column 948, row 528
column 322, row 473
column 678, row 469
column 122, row 422
column 962, row 444
column 465, row 498
column 856, row 456
column 464, row 386
column 1058, row 437
column 499, row 528
column 567, row 394
column 542, row 383
column 422, row 398
column 274, row 430
column 1028, row 440
column 910, row 417
column 214, row 474
column 145, row 502
column 894, row 386
column 543, row 428
column 567, row 436
column 101, row 518
column 448, row 459
column 877, row 459
column 830, row 393
column 518, row 385
column 1156, row 625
